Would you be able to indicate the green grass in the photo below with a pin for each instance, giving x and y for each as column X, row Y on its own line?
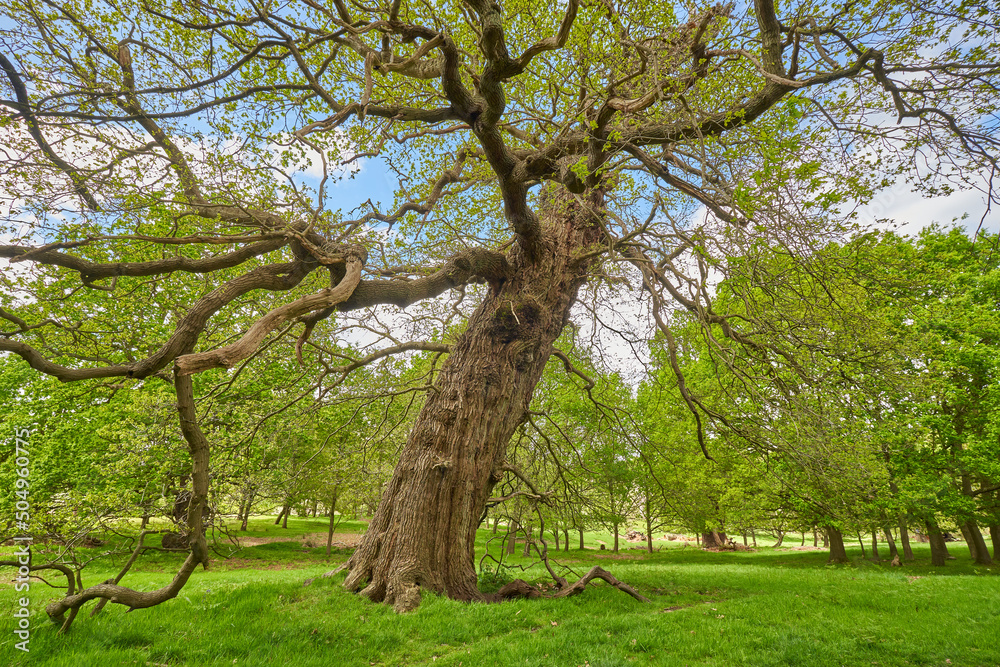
column 770, row 607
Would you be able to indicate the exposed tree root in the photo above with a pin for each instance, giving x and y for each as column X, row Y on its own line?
column 522, row 589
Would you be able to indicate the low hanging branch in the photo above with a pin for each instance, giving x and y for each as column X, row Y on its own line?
column 120, row 595
column 133, row 599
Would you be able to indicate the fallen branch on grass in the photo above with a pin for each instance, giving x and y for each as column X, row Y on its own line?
column 519, row 588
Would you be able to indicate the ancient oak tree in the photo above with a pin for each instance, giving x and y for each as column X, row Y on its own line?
column 173, row 175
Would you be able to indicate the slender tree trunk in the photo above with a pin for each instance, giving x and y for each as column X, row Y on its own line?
column 803, row 539
column 565, row 538
column 904, row 539
column 861, row 541
column 247, row 507
column 282, row 518
column 995, row 539
column 616, row 537
column 649, row 527
column 753, row 536
column 333, row 521
column 939, row 550
column 815, row 538
column 511, row 537
column 977, row 545
column 496, row 523
column 838, row 554
column 555, row 536
column 893, row 552
column 581, row 538
column 527, row 542
column 875, row 557
column 423, row 533
column 697, row 539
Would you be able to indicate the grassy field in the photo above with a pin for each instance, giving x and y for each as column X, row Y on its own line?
column 769, row 607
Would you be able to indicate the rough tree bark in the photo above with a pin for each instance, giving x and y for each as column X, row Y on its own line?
column 423, row 532
column 716, row 540
column 838, row 554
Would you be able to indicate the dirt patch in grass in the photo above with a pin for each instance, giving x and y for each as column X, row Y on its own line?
column 340, row 540
column 254, row 564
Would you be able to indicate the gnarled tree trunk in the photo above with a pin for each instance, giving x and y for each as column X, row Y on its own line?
column 714, row 539
column 423, row 532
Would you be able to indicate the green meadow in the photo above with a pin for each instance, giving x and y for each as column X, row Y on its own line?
column 781, row 606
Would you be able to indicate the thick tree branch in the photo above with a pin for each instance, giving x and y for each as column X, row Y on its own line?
column 230, row 355
column 278, row 277
column 92, row 271
column 465, row 267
